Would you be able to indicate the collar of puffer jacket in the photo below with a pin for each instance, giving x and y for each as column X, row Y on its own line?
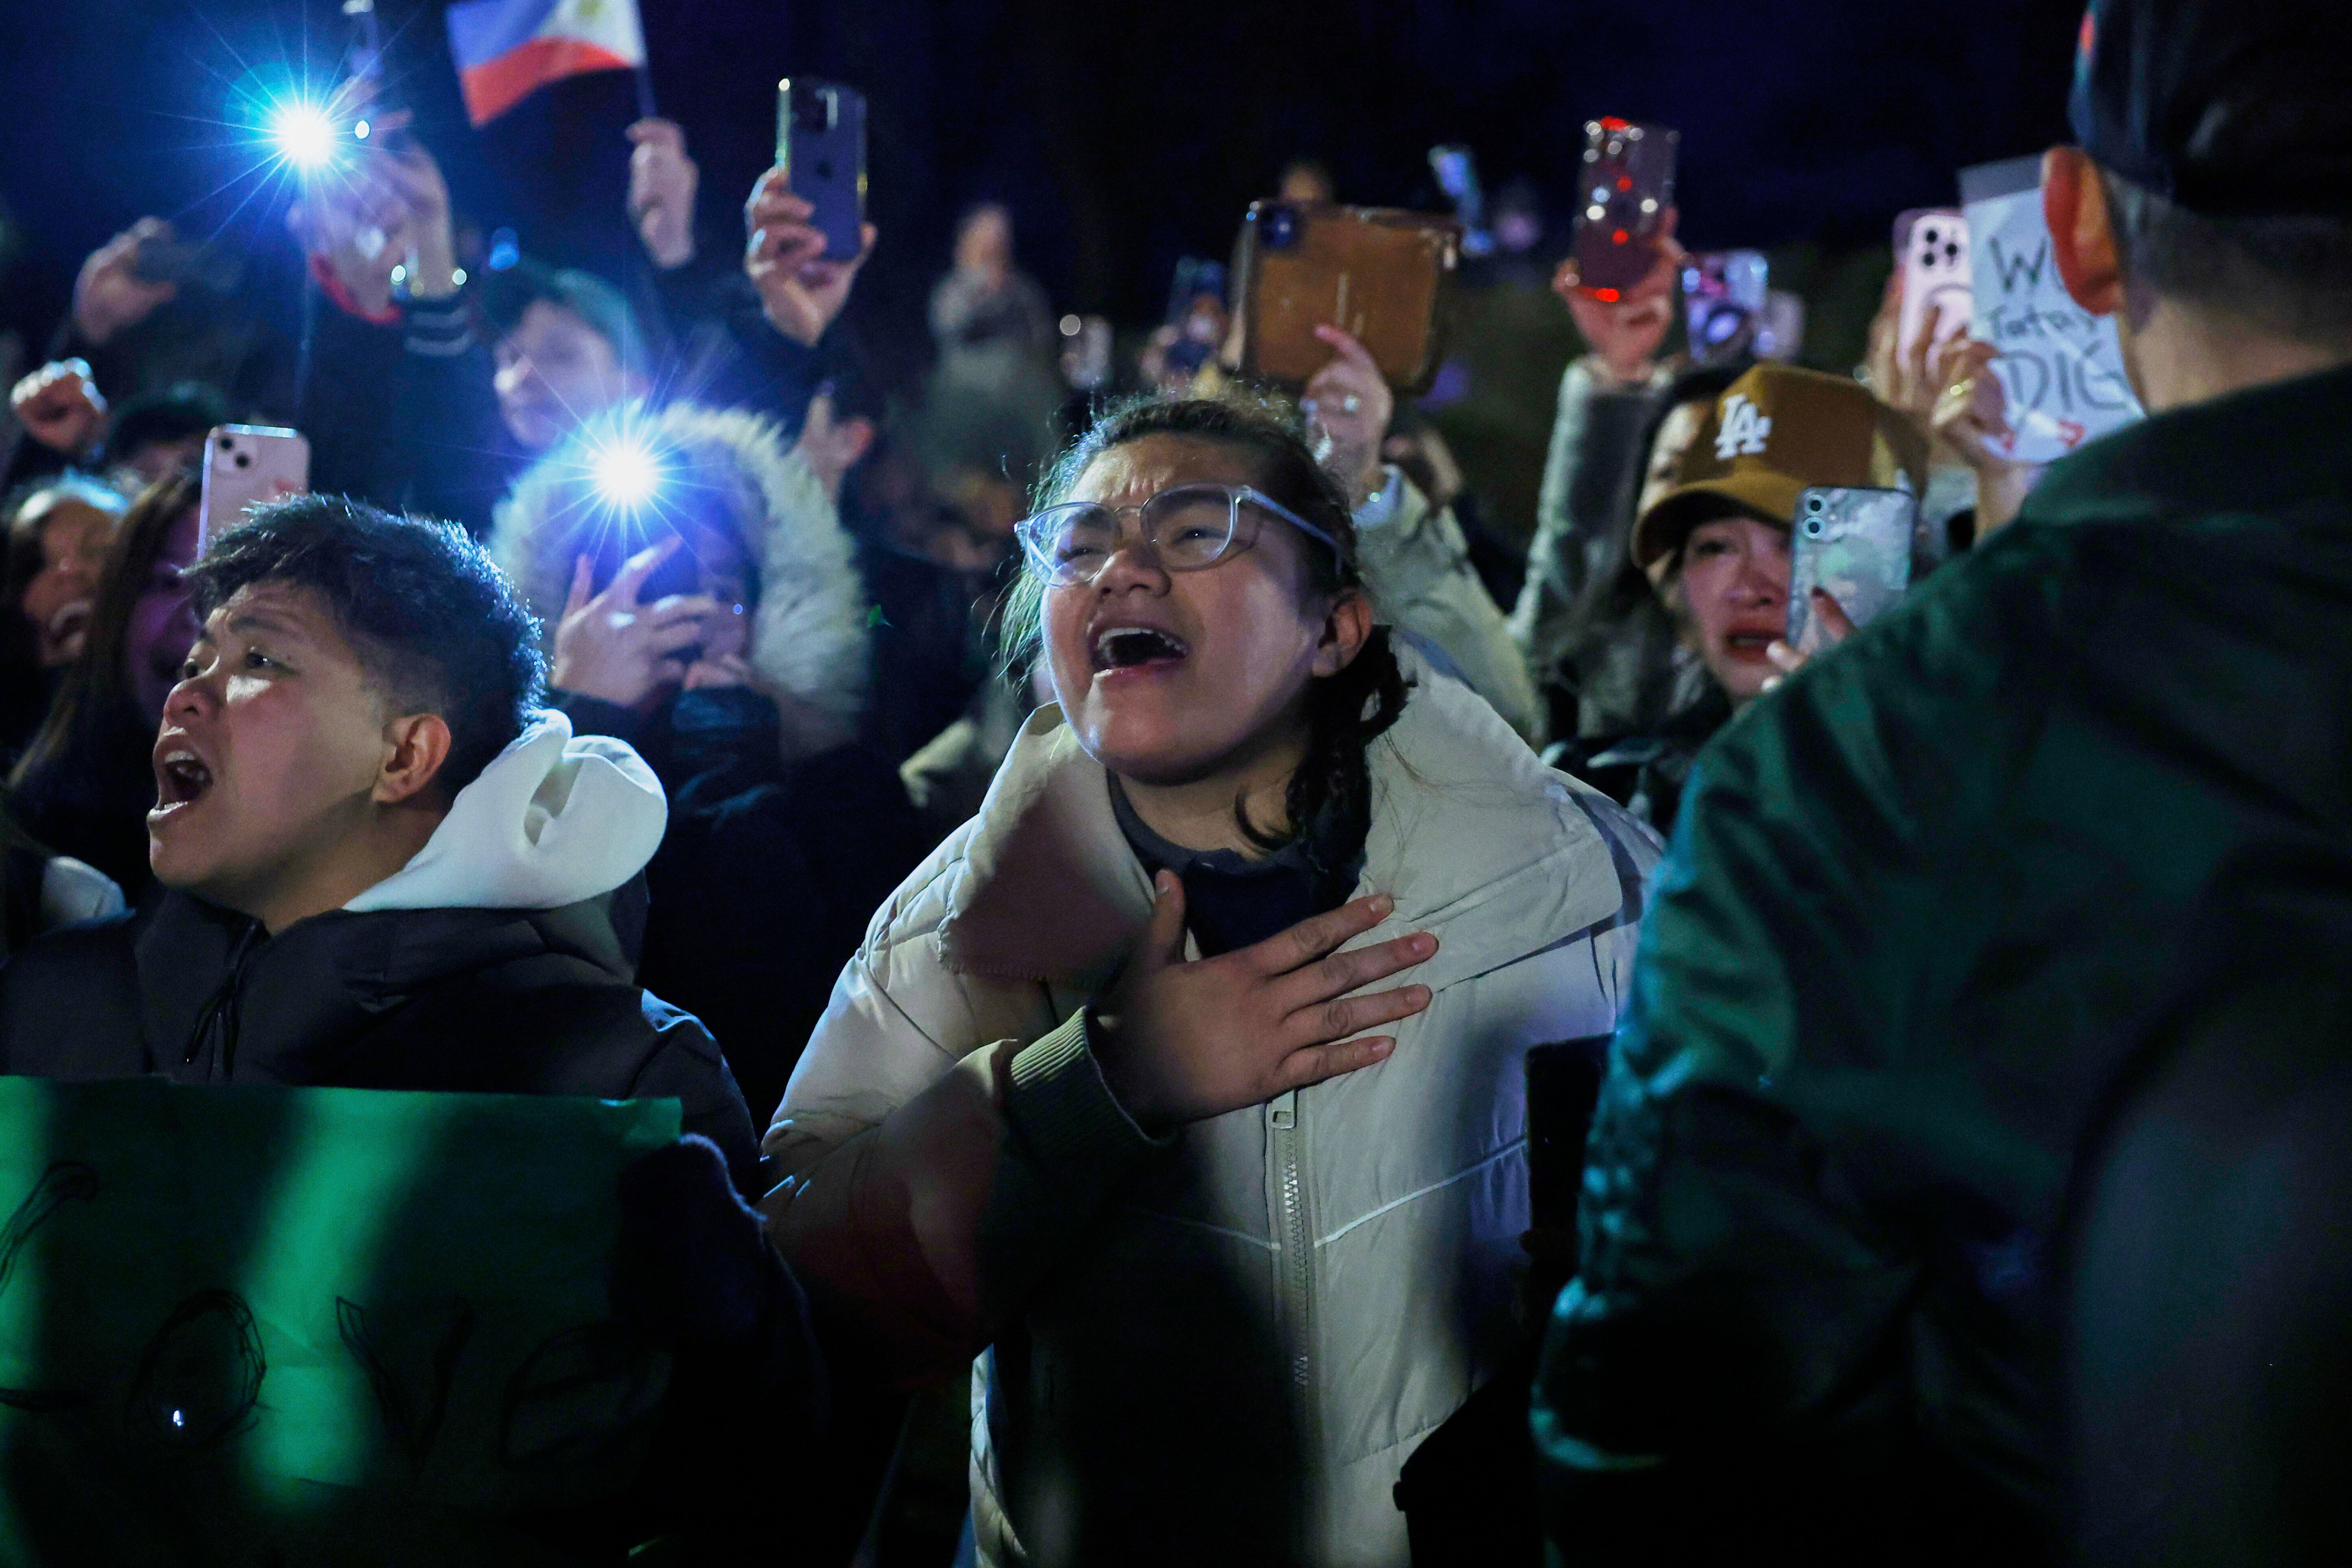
column 1478, row 841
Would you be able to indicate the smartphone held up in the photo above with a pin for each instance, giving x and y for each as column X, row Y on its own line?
column 1854, row 544
column 1725, row 299
column 1628, row 187
column 1376, row 273
column 1931, row 253
column 245, row 465
column 821, row 146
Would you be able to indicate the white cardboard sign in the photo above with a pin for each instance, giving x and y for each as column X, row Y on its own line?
column 2059, row 367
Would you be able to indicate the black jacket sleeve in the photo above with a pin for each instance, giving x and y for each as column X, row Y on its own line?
column 685, row 1066
column 767, row 878
column 448, row 445
column 406, row 416
column 347, row 403
column 728, row 356
column 69, row 1006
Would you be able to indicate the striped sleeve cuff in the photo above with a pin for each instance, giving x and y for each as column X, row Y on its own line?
column 438, row 329
column 1058, row 1103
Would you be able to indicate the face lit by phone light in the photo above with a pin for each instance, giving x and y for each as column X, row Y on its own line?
column 555, row 370
column 1731, row 594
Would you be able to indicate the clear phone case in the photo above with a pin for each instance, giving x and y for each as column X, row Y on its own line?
column 1856, row 543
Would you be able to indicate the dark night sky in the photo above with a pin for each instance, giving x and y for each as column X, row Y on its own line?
column 1123, row 135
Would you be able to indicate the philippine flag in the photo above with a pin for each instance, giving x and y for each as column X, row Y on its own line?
column 507, row 49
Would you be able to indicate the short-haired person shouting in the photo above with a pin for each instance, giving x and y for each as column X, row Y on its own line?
column 1921, row 898
column 387, row 867
column 1186, row 1078
column 347, row 778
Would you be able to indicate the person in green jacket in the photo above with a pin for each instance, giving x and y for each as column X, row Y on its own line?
column 1921, row 899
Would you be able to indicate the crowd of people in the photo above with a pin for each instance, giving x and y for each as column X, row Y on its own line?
column 1207, row 996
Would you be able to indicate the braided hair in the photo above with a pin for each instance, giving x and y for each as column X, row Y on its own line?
column 1328, row 802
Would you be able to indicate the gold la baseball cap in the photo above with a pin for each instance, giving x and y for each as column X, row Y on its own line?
column 1772, row 435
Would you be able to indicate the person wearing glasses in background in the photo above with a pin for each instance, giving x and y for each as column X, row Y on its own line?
column 1185, row 1080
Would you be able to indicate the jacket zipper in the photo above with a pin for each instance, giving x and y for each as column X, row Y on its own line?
column 1296, row 1283
column 220, row 1014
column 1298, row 1249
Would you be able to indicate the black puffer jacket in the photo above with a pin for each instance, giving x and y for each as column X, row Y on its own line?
column 490, row 964
column 479, row 1001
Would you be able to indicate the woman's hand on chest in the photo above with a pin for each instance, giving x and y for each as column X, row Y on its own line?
column 1180, row 1041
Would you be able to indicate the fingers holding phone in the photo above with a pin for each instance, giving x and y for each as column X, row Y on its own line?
column 1970, row 416
column 391, row 213
column 801, row 289
column 1627, row 332
column 409, row 182
column 1834, row 626
column 613, row 646
column 1347, row 406
column 663, row 182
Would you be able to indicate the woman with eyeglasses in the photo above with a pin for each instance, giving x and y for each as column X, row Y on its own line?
column 1185, row 1080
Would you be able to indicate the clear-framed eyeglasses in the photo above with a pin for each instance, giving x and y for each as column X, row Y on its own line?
column 1189, row 528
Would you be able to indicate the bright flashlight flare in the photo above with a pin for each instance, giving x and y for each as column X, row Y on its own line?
column 625, row 473
column 304, row 135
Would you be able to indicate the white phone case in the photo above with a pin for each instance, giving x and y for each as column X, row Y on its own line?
column 1932, row 252
column 245, row 465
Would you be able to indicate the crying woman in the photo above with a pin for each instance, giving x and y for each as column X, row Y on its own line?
column 1184, row 1081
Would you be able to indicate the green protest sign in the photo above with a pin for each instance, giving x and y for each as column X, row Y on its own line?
column 296, row 1326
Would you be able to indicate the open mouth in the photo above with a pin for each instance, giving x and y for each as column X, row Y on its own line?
column 1135, row 648
column 181, row 779
column 70, row 622
column 1749, row 645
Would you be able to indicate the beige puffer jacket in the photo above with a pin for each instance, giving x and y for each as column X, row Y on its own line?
column 1219, row 1347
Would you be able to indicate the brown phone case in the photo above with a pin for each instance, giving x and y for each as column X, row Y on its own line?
column 1373, row 272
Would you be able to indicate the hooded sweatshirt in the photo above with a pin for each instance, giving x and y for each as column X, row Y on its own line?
column 489, row 963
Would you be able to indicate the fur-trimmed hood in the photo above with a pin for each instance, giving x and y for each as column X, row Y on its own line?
column 809, row 634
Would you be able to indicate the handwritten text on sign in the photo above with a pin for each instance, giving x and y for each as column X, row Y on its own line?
column 2060, row 368
column 314, row 1326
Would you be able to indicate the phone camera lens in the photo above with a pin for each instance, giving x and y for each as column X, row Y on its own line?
column 1812, row 528
column 226, row 442
column 1813, row 504
column 244, row 460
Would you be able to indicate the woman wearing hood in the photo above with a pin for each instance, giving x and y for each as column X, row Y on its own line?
column 700, row 601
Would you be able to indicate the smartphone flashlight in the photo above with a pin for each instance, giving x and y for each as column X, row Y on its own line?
column 303, row 135
column 626, row 475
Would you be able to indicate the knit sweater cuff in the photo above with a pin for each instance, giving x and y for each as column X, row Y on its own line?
column 1060, row 1106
